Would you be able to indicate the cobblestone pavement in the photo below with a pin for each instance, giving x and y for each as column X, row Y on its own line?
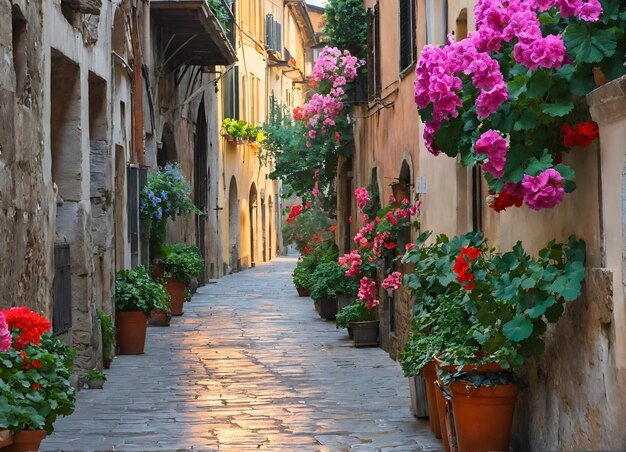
column 250, row 366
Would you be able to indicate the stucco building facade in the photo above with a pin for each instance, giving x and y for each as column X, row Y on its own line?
column 575, row 391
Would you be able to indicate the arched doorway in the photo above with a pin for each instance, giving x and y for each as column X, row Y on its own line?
column 233, row 226
column 252, row 203
column 200, row 181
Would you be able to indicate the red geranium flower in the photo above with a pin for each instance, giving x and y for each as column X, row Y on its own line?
column 461, row 267
column 504, row 200
column 582, row 135
column 390, row 245
column 36, row 386
column 30, row 325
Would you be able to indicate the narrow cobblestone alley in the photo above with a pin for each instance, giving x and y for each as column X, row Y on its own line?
column 250, row 366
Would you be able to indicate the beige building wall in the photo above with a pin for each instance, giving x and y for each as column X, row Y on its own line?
column 574, row 398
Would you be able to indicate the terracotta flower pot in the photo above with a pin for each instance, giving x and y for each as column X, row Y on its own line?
column 430, row 375
column 26, row 441
column 483, row 415
column 365, row 333
column 441, row 416
column 131, row 332
column 159, row 318
column 303, row 292
column 176, row 289
column 6, row 438
column 158, row 270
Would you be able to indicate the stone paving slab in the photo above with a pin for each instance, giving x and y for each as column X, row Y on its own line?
column 250, row 366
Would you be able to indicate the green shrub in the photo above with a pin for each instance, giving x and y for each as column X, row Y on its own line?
column 329, row 280
column 108, row 334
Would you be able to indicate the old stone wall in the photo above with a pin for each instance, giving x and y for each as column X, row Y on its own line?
column 26, row 195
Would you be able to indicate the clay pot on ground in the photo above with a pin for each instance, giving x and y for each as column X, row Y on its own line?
column 483, row 415
column 131, row 332
column 26, row 441
column 417, row 391
column 327, row 308
column 106, row 363
column 6, row 438
column 159, row 317
column 430, row 375
column 95, row 384
column 303, row 292
column 176, row 289
column 158, row 270
column 365, row 333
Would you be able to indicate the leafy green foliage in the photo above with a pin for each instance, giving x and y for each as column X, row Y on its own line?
column 514, row 297
column 135, row 290
column 325, row 252
column 35, row 385
column 182, row 261
column 312, row 225
column 354, row 312
column 108, row 334
column 95, row 374
column 345, row 26
column 285, row 150
column 329, row 280
column 221, row 13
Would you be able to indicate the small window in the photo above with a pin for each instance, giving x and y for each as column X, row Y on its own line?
column 408, row 48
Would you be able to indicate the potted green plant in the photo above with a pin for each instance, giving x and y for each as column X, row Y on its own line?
column 328, row 282
column 180, row 265
column 161, row 315
column 35, row 383
column 235, row 129
column 251, row 133
column 346, row 316
column 507, row 300
column 95, row 378
column 108, row 337
column 136, row 296
column 302, row 275
column 365, row 326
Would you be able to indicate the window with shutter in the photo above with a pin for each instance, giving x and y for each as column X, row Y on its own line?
column 230, row 93
column 408, row 48
column 373, row 52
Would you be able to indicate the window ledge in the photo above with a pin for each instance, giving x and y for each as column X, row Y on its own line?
column 408, row 70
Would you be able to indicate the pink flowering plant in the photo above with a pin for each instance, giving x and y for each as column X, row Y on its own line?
column 509, row 96
column 324, row 114
column 377, row 245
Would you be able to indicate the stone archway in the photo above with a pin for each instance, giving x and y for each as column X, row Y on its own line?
column 252, row 204
column 233, row 226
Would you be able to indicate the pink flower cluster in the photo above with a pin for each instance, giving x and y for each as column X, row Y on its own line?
column 438, row 82
column 492, row 144
column 543, row 191
column 362, row 197
column 337, row 68
column 367, row 293
column 392, row 281
column 500, row 21
column 352, row 262
column 5, row 334
column 363, row 236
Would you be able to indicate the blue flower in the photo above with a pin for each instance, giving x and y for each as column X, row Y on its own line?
column 159, row 213
column 163, row 195
column 168, row 167
column 154, row 202
column 150, row 194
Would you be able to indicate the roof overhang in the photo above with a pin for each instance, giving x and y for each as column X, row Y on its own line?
column 301, row 14
column 193, row 35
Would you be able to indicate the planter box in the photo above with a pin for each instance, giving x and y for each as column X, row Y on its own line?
column 6, row 439
column 365, row 333
column 131, row 332
column 327, row 308
column 303, row 292
column 419, row 404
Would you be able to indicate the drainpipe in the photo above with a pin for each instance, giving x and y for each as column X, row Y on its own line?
column 137, row 88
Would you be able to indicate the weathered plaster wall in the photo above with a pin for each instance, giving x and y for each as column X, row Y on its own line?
column 26, row 195
column 77, row 139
